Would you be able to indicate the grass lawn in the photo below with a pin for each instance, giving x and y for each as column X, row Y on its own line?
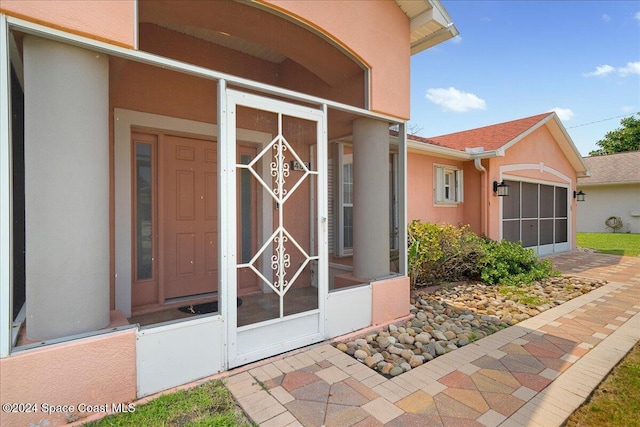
column 616, row 401
column 209, row 404
column 611, row 243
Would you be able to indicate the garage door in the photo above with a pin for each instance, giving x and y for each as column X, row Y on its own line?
column 537, row 215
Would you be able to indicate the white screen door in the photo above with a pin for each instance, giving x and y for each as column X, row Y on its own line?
column 276, row 282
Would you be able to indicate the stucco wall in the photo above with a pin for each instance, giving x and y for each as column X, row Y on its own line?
column 474, row 186
column 420, row 191
column 107, row 20
column 377, row 32
column 92, row 371
column 389, row 299
column 604, row 201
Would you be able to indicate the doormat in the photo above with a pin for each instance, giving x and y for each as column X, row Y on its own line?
column 204, row 308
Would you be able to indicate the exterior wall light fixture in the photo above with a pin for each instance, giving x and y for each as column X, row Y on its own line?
column 500, row 189
column 579, row 195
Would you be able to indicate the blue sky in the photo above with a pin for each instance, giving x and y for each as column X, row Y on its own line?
column 515, row 59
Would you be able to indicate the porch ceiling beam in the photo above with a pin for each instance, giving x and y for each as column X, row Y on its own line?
column 181, row 67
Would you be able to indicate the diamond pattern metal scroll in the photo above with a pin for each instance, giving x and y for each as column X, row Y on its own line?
column 279, row 171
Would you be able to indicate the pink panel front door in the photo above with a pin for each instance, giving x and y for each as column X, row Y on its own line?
column 189, row 216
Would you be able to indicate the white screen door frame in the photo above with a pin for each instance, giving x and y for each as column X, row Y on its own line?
column 248, row 343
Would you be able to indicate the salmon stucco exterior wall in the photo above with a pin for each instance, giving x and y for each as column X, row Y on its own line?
column 107, row 20
column 79, row 374
column 421, row 191
column 475, row 190
column 384, row 46
column 389, row 299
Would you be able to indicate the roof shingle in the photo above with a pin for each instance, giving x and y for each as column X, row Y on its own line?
column 489, row 137
column 614, row 168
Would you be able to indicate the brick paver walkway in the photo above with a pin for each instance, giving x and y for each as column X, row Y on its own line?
column 533, row 374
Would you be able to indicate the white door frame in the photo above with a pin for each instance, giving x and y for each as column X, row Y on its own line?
column 264, row 339
column 124, row 122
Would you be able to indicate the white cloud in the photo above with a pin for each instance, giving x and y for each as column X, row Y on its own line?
column 601, row 70
column 630, row 68
column 565, row 114
column 457, row 39
column 455, row 100
column 628, row 108
column 606, row 18
column 637, row 16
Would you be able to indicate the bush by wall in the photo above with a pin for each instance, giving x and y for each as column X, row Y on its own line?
column 508, row 263
column 447, row 253
column 440, row 253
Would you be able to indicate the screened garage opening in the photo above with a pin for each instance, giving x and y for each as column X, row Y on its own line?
column 536, row 214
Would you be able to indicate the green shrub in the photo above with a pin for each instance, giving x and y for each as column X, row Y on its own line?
column 508, row 263
column 447, row 253
column 440, row 253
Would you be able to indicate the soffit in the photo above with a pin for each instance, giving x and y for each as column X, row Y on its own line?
column 226, row 40
column 250, row 29
column 430, row 23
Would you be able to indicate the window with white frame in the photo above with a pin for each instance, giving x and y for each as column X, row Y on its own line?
column 344, row 201
column 347, row 203
column 341, row 222
column 448, row 184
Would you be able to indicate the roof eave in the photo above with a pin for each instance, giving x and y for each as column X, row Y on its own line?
column 604, row 184
column 429, row 26
column 440, row 36
column 481, row 154
column 437, row 150
column 568, row 147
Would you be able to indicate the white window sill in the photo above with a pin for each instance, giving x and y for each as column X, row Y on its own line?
column 447, row 204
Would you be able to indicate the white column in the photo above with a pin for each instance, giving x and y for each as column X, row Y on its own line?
column 370, row 198
column 66, row 189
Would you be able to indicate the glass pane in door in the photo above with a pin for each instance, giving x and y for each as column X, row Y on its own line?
column 561, row 202
column 277, row 217
column 511, row 204
column 299, row 215
column 529, row 200
column 529, row 233
column 144, row 212
column 546, row 231
column 546, row 201
column 561, row 231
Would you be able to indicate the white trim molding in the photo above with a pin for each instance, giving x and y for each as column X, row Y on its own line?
column 6, row 200
column 541, row 167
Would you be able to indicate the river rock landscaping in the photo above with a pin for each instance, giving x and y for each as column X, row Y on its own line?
column 447, row 317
